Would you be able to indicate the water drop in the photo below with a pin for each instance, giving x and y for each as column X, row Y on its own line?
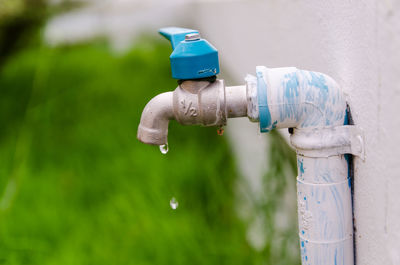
column 173, row 203
column 220, row 131
column 164, row 149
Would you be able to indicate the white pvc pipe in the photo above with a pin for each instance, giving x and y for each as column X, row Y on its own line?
column 324, row 210
column 314, row 105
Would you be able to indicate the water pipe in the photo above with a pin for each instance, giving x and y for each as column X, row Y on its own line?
column 311, row 104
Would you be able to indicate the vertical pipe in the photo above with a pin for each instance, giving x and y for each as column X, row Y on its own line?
column 314, row 105
column 325, row 216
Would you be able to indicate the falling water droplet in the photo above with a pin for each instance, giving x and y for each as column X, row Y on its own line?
column 220, row 131
column 173, row 203
column 164, row 149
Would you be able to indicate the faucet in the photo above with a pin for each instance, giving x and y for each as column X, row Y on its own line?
column 311, row 104
column 200, row 98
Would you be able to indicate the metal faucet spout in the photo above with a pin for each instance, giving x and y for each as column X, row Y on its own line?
column 153, row 127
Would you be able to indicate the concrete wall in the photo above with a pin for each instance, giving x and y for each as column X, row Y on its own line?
column 358, row 44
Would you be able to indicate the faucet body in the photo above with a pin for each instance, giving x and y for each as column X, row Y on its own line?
column 206, row 103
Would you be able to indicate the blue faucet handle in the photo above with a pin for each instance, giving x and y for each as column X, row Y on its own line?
column 175, row 35
column 192, row 57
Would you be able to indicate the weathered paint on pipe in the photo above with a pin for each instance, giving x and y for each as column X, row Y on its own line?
column 298, row 99
column 324, row 210
column 305, row 100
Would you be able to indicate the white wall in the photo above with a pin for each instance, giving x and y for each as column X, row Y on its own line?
column 358, row 44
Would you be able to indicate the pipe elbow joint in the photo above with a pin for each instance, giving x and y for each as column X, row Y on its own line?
column 293, row 98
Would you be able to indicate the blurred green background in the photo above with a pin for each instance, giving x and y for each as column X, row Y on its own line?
column 76, row 187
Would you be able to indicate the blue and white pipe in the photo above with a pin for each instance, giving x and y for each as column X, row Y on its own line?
column 314, row 105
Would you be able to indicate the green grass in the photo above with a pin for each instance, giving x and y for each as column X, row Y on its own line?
column 78, row 188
